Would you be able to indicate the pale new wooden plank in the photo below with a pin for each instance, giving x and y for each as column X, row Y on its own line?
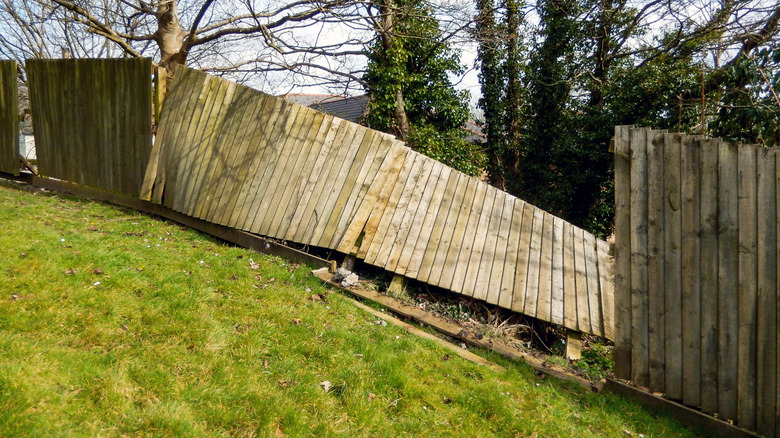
column 376, row 154
column 544, row 299
column 404, row 215
column 416, row 227
column 474, row 212
column 299, row 173
column 656, row 201
column 213, row 161
column 534, row 264
column 505, row 300
column 639, row 300
column 766, row 327
column 569, row 279
column 594, row 294
column 238, row 154
column 450, row 262
column 267, row 179
column 523, row 257
column 249, row 152
column 381, row 221
column 362, row 161
column 394, row 182
column 489, row 249
column 480, row 235
column 341, row 160
column 691, row 261
column 748, row 288
column 264, row 143
column 581, row 282
column 728, row 274
column 382, row 181
column 427, row 263
column 606, row 284
column 448, row 231
column 556, row 295
column 708, row 218
column 302, row 211
column 291, row 143
column 500, row 253
column 622, row 352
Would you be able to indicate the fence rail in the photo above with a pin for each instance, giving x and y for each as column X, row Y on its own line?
column 9, row 118
column 92, row 120
column 697, row 272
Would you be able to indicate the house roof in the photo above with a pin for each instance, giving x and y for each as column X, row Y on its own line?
column 311, row 99
column 349, row 108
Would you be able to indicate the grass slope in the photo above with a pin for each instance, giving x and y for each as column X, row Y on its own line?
column 113, row 323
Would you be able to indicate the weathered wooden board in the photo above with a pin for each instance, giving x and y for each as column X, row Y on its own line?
column 639, row 305
column 656, row 203
column 92, row 120
column 673, row 266
column 622, row 352
column 9, row 118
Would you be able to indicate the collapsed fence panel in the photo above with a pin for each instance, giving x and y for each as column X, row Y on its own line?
column 696, row 272
column 9, row 118
column 92, row 120
column 235, row 156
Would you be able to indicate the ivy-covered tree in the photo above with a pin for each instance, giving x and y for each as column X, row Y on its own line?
column 411, row 93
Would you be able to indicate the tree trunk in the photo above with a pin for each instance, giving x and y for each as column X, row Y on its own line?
column 170, row 36
column 387, row 34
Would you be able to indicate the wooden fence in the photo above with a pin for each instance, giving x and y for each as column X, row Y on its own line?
column 92, row 120
column 9, row 118
column 696, row 272
column 234, row 156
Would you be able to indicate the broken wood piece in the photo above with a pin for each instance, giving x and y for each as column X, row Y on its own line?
column 27, row 164
column 397, row 284
column 573, row 344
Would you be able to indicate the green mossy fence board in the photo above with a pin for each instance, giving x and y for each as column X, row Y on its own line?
column 9, row 118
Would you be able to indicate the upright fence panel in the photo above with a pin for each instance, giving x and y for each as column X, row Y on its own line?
column 9, row 118
column 92, row 120
column 697, row 272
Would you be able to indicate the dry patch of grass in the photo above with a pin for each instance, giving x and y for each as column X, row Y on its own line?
column 113, row 323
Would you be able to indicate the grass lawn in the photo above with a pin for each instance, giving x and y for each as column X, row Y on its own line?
column 114, row 323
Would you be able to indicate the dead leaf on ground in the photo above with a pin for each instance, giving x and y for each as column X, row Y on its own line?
column 234, row 277
column 283, row 383
column 92, row 229
column 359, row 355
column 296, row 321
column 259, row 277
column 265, row 364
column 70, row 271
column 445, row 358
column 279, row 432
column 97, row 271
column 272, row 280
column 326, row 385
column 316, row 297
column 371, row 396
column 252, row 265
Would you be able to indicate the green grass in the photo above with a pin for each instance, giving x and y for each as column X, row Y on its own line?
column 113, row 323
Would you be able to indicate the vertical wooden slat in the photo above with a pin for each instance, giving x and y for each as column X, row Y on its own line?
column 557, row 306
column 9, row 118
column 672, row 266
column 427, row 263
column 523, row 255
column 413, row 236
column 534, row 264
column 691, row 290
column 766, row 327
column 569, row 281
column 607, row 287
column 581, row 282
column 748, row 284
column 544, row 299
column 639, row 300
column 429, row 223
column 449, row 264
column 450, row 226
column 594, row 294
column 489, row 249
column 469, row 233
column 480, row 235
column 500, row 254
column 728, row 275
column 655, row 260
column 511, row 265
column 708, row 217
column 622, row 352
